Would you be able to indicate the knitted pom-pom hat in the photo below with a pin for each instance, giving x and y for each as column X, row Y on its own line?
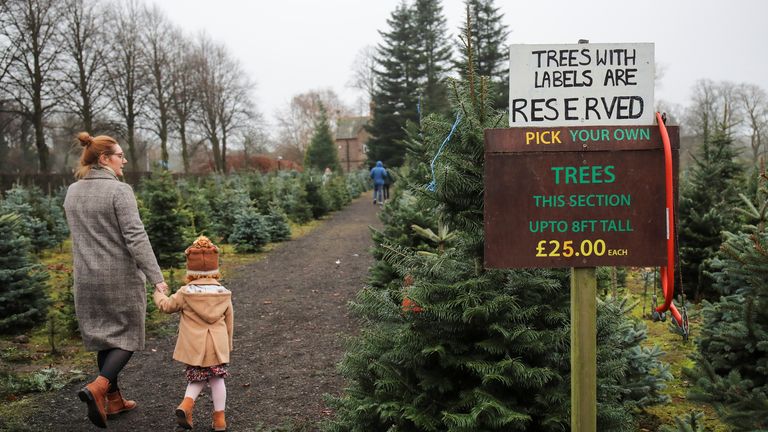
column 202, row 258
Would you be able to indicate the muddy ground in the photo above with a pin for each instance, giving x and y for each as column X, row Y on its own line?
column 291, row 319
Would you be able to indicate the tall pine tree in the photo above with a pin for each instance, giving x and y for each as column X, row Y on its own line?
column 433, row 52
column 321, row 153
column 709, row 194
column 395, row 97
column 474, row 349
column 489, row 43
column 411, row 67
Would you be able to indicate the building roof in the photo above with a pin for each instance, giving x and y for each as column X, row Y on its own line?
column 349, row 127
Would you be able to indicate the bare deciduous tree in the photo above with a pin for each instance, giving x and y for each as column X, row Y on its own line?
column 157, row 42
column 236, row 108
column 83, row 81
column 30, row 28
column 126, row 74
column 363, row 77
column 255, row 137
column 715, row 108
column 209, row 60
column 755, row 105
column 296, row 124
column 183, row 96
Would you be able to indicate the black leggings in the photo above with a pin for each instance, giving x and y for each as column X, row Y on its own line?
column 111, row 362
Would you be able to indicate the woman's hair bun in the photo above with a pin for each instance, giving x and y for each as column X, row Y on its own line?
column 85, row 139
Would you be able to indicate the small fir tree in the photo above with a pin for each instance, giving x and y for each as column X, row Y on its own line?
column 228, row 197
column 167, row 222
column 37, row 222
column 322, row 153
column 57, row 222
column 195, row 200
column 732, row 352
column 317, row 196
column 262, row 196
column 289, row 189
column 357, row 183
column 691, row 422
column 251, row 231
column 709, row 194
column 337, row 192
column 22, row 281
column 277, row 223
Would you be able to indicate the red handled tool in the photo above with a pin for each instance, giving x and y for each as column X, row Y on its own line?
column 668, row 271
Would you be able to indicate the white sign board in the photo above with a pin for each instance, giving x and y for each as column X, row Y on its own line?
column 581, row 85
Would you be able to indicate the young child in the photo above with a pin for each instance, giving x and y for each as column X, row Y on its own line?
column 205, row 330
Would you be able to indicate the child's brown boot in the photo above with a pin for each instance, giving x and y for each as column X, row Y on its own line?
column 184, row 413
column 219, row 424
column 116, row 404
column 94, row 394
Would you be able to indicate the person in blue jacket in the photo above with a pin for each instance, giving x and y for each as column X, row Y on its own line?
column 379, row 175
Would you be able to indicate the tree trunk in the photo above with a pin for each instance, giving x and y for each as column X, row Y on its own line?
column 87, row 110
column 37, row 117
column 224, row 152
column 4, row 148
column 27, row 157
column 42, row 149
column 130, row 124
column 216, row 153
column 184, row 150
column 164, row 142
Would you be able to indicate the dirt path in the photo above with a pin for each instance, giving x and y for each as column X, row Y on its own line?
column 290, row 321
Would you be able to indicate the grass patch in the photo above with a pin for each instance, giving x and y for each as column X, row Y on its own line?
column 677, row 353
column 12, row 414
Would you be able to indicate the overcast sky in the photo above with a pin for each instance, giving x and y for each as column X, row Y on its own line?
column 293, row 46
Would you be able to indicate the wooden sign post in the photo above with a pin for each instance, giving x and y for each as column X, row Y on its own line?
column 577, row 180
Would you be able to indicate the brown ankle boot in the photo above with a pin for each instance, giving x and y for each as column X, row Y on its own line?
column 116, row 404
column 94, row 394
column 219, row 424
column 184, row 413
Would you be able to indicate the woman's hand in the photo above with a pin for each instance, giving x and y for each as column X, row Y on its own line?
column 162, row 287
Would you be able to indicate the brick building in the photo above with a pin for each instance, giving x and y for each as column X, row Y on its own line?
column 351, row 140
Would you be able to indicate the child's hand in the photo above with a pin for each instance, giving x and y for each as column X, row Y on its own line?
column 162, row 287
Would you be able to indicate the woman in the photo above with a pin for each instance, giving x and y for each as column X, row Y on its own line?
column 112, row 261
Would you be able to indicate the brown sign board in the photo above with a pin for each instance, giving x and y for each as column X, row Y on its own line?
column 575, row 196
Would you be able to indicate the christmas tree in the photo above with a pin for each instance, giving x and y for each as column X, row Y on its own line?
column 322, row 153
column 44, row 226
column 167, row 222
column 490, row 41
column 732, row 355
column 709, row 194
column 22, row 281
column 227, row 197
column 277, row 224
column 316, row 195
column 395, row 97
column 251, row 231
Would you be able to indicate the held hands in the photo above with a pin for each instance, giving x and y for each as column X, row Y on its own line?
column 162, row 287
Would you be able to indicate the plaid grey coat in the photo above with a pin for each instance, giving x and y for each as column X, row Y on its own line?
column 112, row 256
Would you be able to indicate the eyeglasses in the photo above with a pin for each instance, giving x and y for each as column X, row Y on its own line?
column 120, row 155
